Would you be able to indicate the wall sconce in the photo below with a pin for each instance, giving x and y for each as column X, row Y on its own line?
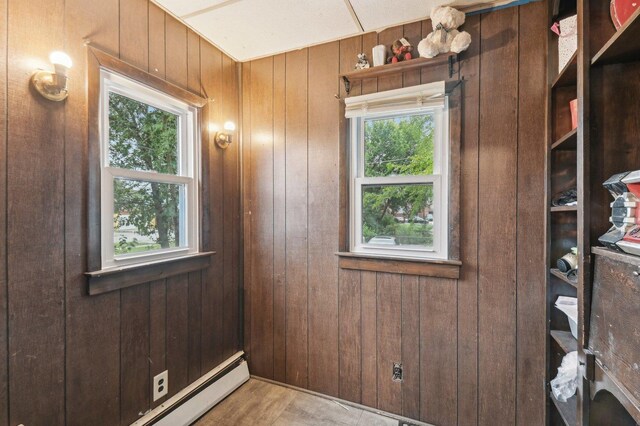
column 223, row 139
column 53, row 85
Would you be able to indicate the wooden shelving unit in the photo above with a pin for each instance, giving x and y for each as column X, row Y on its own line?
column 603, row 76
column 569, row 74
column 563, row 277
column 562, row 229
column 623, row 46
column 567, row 410
column 556, row 209
column 565, row 340
column 567, row 142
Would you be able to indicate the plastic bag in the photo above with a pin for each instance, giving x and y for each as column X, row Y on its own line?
column 566, row 382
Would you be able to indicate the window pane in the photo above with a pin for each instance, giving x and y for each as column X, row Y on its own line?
column 147, row 216
column 142, row 137
column 398, row 216
column 399, row 146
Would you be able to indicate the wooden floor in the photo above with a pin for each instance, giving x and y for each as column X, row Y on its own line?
column 261, row 403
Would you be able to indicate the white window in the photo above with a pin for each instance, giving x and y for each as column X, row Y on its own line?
column 399, row 152
column 149, row 174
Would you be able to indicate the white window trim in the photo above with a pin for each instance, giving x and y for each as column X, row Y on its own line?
column 188, row 174
column 428, row 98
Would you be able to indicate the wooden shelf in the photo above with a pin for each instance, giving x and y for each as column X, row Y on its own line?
column 555, row 209
column 565, row 340
column 568, row 142
column 568, row 410
column 569, row 74
column 562, row 276
column 398, row 68
column 624, row 46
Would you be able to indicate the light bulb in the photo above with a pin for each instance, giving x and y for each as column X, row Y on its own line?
column 60, row 58
column 213, row 128
column 230, row 126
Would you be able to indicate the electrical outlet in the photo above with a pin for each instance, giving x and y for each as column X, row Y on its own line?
column 160, row 385
column 397, row 372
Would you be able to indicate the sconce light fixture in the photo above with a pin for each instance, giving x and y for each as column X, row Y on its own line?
column 53, row 85
column 223, row 139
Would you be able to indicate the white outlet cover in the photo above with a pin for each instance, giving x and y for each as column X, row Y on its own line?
column 160, row 385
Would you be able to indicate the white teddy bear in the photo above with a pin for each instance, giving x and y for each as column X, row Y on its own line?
column 445, row 37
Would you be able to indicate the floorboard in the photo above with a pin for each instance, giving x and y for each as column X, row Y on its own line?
column 261, row 403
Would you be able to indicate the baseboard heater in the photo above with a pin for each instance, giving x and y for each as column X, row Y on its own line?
column 191, row 403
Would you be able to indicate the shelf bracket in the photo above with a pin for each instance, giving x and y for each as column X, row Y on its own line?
column 347, row 84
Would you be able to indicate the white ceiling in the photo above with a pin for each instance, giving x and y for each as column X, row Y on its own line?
column 250, row 29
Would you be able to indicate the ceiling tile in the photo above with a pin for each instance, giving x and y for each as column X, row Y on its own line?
column 182, row 7
column 248, row 29
column 378, row 14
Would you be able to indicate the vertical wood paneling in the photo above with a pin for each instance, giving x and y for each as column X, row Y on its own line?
column 157, row 333
column 468, row 282
column 134, row 353
column 4, row 391
column 530, row 330
column 82, row 360
column 441, row 330
column 134, row 30
column 157, row 52
column 369, row 339
column 497, row 233
column 193, row 62
column 246, row 208
column 387, row 37
column 413, row 34
column 262, row 215
column 323, row 216
column 350, row 333
column 231, row 216
column 389, row 337
column 296, row 216
column 195, row 325
column 99, row 344
column 369, row 40
column 349, row 50
column 411, row 346
column 438, row 347
column 177, row 332
column 35, row 201
column 212, row 287
column 279, row 219
column 176, row 51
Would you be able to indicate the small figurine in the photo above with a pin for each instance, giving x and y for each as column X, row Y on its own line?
column 362, row 63
column 401, row 51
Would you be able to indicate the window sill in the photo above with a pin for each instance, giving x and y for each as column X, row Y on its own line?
column 423, row 267
column 107, row 280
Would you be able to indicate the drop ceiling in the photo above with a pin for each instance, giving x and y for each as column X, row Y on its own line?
column 250, row 29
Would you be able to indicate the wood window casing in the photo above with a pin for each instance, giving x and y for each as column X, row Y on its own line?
column 447, row 268
column 99, row 280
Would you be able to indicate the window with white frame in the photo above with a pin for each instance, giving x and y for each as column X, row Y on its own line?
column 399, row 152
column 149, row 174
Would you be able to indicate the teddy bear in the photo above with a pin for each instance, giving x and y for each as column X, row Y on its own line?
column 445, row 36
column 401, row 51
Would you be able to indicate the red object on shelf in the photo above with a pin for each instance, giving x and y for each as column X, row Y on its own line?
column 621, row 11
column 573, row 106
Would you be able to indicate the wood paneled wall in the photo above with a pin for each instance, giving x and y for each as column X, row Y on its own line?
column 65, row 357
column 473, row 350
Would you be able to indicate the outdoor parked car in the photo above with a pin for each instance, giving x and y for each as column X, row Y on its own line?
column 382, row 240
